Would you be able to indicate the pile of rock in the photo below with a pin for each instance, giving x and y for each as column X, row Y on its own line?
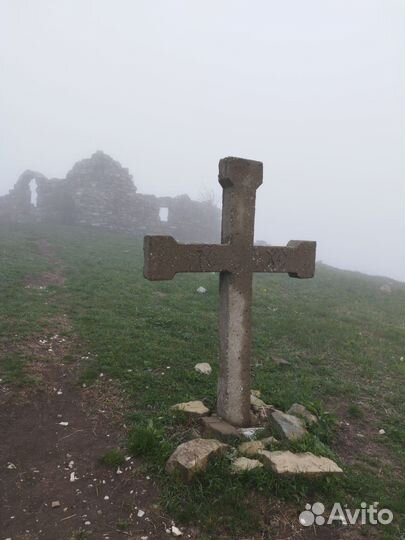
column 246, row 455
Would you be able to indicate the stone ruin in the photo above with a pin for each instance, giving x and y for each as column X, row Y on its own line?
column 99, row 192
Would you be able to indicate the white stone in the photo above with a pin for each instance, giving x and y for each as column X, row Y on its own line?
column 285, row 462
column 140, row 513
column 204, row 368
column 201, row 290
column 249, row 433
column 176, row 531
column 386, row 288
column 196, row 408
column 280, row 361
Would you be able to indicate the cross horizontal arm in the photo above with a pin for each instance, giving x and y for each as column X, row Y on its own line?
column 297, row 258
column 164, row 258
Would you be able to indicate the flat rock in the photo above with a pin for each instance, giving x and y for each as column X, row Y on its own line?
column 280, row 361
column 193, row 456
column 242, row 464
column 215, row 426
column 287, row 426
column 297, row 409
column 194, row 408
column 286, row 462
column 204, row 368
column 251, row 448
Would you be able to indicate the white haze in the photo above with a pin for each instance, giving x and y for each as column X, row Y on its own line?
column 315, row 89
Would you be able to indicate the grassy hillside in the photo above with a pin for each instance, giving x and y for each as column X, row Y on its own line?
column 342, row 336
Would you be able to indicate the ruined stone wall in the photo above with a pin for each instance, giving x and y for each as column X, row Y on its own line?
column 16, row 205
column 99, row 192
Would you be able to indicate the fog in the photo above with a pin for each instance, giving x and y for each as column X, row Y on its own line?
column 315, row 89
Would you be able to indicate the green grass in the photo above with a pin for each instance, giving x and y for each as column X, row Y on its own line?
column 113, row 458
column 343, row 338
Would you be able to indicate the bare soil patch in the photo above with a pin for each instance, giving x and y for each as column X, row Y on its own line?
column 53, row 434
column 39, row 457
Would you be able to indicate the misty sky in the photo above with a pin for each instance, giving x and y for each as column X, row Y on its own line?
column 313, row 88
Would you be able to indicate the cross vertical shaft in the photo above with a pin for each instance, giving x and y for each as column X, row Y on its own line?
column 240, row 179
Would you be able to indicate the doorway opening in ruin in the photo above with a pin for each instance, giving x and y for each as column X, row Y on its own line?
column 163, row 213
column 33, row 191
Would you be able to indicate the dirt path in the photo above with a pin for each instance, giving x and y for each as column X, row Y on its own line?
column 52, row 437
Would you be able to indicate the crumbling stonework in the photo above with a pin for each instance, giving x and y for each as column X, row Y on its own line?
column 99, row 192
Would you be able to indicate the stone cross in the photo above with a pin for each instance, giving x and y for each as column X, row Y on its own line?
column 236, row 258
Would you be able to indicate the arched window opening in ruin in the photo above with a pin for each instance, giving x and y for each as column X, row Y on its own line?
column 163, row 213
column 34, row 193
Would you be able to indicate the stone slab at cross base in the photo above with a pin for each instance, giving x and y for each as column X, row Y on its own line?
column 213, row 426
column 193, row 456
column 285, row 462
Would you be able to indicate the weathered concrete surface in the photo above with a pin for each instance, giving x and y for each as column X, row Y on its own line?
column 285, row 462
column 192, row 456
column 287, row 426
column 236, row 259
column 299, row 410
column 217, row 427
column 193, row 408
column 242, row 464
